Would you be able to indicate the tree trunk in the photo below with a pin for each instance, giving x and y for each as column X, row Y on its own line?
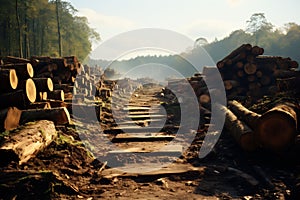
column 58, row 29
column 56, row 95
column 249, row 117
column 59, row 116
column 26, row 143
column 239, row 130
column 17, row 99
column 23, row 70
column 29, row 89
column 43, row 84
column 277, row 128
column 19, row 30
column 15, row 60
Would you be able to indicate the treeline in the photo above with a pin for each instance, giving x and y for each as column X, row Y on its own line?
column 284, row 41
column 30, row 27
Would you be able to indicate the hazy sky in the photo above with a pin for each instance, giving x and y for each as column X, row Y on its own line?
column 194, row 18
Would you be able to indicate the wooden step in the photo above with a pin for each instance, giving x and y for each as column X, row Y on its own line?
column 142, row 137
column 168, row 150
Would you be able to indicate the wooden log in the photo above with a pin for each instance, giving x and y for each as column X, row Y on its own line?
column 28, row 86
column 250, row 68
column 9, row 118
column 26, row 143
column 256, row 50
column 8, row 80
column 240, row 57
column 19, row 99
column 56, row 95
column 249, row 117
column 43, row 84
column 238, row 130
column 60, row 62
column 277, row 128
column 242, row 48
column 288, row 84
column 229, row 84
column 23, row 70
column 15, row 60
column 59, row 116
column 279, row 73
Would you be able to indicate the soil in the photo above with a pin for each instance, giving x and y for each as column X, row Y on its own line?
column 75, row 167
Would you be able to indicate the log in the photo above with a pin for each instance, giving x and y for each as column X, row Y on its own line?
column 238, row 130
column 27, row 142
column 8, row 80
column 9, row 118
column 56, row 95
column 28, row 86
column 277, row 128
column 242, row 48
column 59, row 116
column 256, row 50
column 249, row 117
column 60, row 62
column 17, row 99
column 229, row 84
column 250, row 68
column 15, row 60
column 23, row 70
column 43, row 84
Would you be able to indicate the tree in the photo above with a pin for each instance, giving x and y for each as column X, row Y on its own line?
column 257, row 25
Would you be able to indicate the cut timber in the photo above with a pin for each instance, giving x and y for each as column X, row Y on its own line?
column 28, row 86
column 277, row 127
column 8, row 80
column 43, row 84
column 28, row 141
column 141, row 137
column 249, row 117
column 230, row 84
column 17, row 99
column 242, row 48
column 23, row 70
column 59, row 116
column 56, row 95
column 9, row 118
column 12, row 59
column 250, row 68
column 238, row 130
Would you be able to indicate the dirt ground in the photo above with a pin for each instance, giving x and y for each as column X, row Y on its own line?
column 69, row 169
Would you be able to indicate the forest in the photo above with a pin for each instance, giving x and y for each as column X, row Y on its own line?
column 44, row 28
column 282, row 41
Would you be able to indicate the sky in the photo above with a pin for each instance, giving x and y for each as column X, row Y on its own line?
column 210, row 19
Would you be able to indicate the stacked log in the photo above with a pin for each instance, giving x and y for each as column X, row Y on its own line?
column 246, row 72
column 275, row 130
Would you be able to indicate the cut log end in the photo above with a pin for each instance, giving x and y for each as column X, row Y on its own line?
column 30, row 90
column 277, row 128
column 14, row 79
column 30, row 70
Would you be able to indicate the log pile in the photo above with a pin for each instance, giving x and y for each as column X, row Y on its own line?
column 247, row 72
column 274, row 130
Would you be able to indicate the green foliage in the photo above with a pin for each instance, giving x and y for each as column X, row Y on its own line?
column 38, row 27
column 262, row 33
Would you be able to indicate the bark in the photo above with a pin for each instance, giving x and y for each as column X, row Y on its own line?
column 27, row 142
